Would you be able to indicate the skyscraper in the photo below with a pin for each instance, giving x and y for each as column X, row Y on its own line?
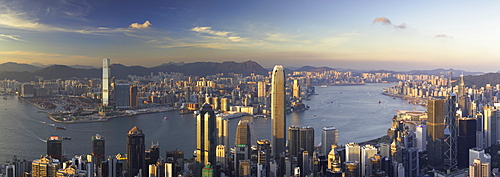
column 466, row 140
column 352, row 152
column 261, row 91
column 296, row 89
column 54, row 147
column 133, row 96
column 122, row 95
column 136, row 152
column 278, row 110
column 106, row 74
column 98, row 149
column 329, row 137
column 435, row 133
column 242, row 144
column 206, row 135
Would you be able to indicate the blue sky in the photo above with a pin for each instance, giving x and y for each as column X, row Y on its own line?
column 394, row 35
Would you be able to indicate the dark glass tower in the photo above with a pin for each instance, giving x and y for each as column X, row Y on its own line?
column 54, row 147
column 136, row 152
column 466, row 140
column 206, row 135
column 435, row 133
column 98, row 149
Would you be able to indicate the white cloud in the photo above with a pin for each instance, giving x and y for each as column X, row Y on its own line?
column 386, row 21
column 208, row 30
column 12, row 37
column 442, row 36
column 145, row 25
column 236, row 39
column 30, row 57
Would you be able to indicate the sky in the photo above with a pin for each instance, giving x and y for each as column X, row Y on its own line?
column 365, row 34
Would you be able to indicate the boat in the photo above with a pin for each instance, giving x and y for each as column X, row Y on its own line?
column 165, row 117
column 53, row 125
column 324, row 86
column 66, row 138
column 393, row 97
column 44, row 122
column 61, row 128
column 379, row 101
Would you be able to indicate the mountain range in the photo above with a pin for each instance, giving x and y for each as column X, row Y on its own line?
column 28, row 72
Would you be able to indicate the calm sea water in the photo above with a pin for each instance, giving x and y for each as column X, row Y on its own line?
column 353, row 110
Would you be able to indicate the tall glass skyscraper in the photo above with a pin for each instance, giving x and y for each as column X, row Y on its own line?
column 136, row 152
column 329, row 137
column 206, row 135
column 435, row 133
column 278, row 110
column 106, row 74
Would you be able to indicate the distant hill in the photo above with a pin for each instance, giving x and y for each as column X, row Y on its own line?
column 120, row 71
column 481, row 80
column 12, row 66
column 315, row 69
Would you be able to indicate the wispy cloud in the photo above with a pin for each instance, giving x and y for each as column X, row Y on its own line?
column 145, row 25
column 208, row 30
column 12, row 37
column 386, row 21
column 14, row 19
column 442, row 36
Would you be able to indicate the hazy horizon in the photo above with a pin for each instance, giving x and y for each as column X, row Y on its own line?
column 360, row 35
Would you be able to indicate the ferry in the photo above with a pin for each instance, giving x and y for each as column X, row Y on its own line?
column 324, row 85
column 61, row 128
column 165, row 117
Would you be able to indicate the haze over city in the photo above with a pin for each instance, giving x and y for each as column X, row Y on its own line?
column 391, row 35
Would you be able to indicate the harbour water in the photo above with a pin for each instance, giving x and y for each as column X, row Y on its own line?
column 353, row 110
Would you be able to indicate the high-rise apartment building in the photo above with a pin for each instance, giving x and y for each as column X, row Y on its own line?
column 206, row 135
column 98, row 149
column 278, row 110
column 106, row 74
column 261, row 91
column 136, row 152
column 329, row 137
column 435, row 133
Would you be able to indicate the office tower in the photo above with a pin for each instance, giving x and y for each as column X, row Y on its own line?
column 489, row 126
column 264, row 155
column 221, row 156
column 334, row 161
column 352, row 152
column 136, row 152
column 367, row 152
column 206, row 135
column 329, row 136
column 176, row 157
column 278, row 110
column 479, row 169
column 152, row 154
column 261, row 91
column 293, row 141
column 352, row 169
column 54, row 147
column 242, row 144
column 44, row 167
column 296, row 89
column 451, row 132
column 122, row 95
column 421, row 136
column 133, row 96
column 462, row 97
column 306, row 164
column 385, row 149
column 222, row 130
column 98, row 149
column 478, row 153
column 466, row 140
column 435, row 133
column 307, row 139
column 106, row 74
column 243, row 136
